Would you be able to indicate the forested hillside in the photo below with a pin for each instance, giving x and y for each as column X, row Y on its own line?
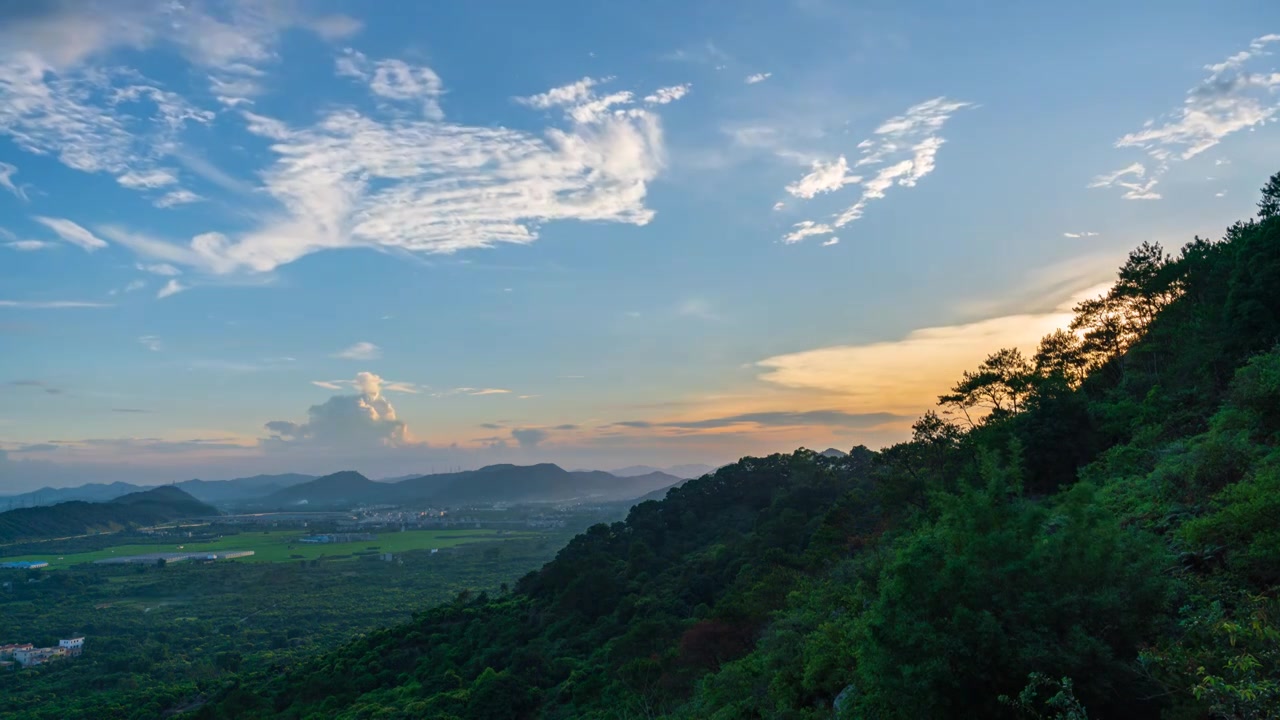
column 148, row 507
column 1088, row 531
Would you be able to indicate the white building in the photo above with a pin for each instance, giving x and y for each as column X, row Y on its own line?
column 74, row 644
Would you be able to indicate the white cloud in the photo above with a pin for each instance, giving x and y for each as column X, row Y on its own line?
column 665, row 95
column 147, row 179
column 51, row 304
column 114, row 120
column 911, row 141
column 134, row 286
column 1236, row 95
column 327, row 384
column 824, row 178
column 385, row 385
column 159, row 269
column 7, row 172
column 72, row 233
column 28, row 245
column 1220, row 193
column 1079, row 234
column 360, row 351
column 151, row 342
column 395, row 80
column 779, row 205
column 572, row 94
column 806, row 228
column 173, row 287
column 365, row 420
column 1134, row 180
column 832, row 241
column 758, row 78
column 433, row 187
column 177, row 197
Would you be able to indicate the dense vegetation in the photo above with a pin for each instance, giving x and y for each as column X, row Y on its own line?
column 159, row 638
column 1090, row 531
column 77, row 517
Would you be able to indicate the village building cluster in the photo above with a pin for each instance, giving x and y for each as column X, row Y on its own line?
column 28, row 655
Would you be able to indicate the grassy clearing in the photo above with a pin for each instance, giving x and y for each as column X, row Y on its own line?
column 284, row 545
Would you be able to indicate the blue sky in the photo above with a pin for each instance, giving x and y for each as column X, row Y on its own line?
column 304, row 236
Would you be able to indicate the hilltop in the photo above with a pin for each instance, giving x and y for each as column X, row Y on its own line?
column 147, row 507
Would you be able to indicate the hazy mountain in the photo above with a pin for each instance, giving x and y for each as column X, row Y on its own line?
column 148, row 507
column 660, row 493
column 491, row 484
column 680, row 471
column 92, row 492
column 341, row 489
column 239, row 489
column 833, row 453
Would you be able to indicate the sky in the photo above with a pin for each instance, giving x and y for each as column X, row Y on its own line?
column 272, row 236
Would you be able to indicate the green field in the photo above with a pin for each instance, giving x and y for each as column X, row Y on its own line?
column 284, row 545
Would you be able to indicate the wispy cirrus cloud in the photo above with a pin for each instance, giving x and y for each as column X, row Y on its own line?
column 7, row 172
column 1084, row 234
column 72, row 233
column 905, row 148
column 429, row 186
column 51, row 304
column 1236, row 95
column 28, row 245
column 151, row 342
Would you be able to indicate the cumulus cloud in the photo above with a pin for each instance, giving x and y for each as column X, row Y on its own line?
column 72, row 233
column 364, row 420
column 663, row 96
column 1236, row 95
column 362, row 350
column 825, row 178
column 173, row 287
column 905, row 147
column 758, row 78
column 7, row 172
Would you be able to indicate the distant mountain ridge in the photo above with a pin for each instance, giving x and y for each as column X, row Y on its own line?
column 77, row 517
column 684, row 472
column 543, row 482
column 209, row 491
